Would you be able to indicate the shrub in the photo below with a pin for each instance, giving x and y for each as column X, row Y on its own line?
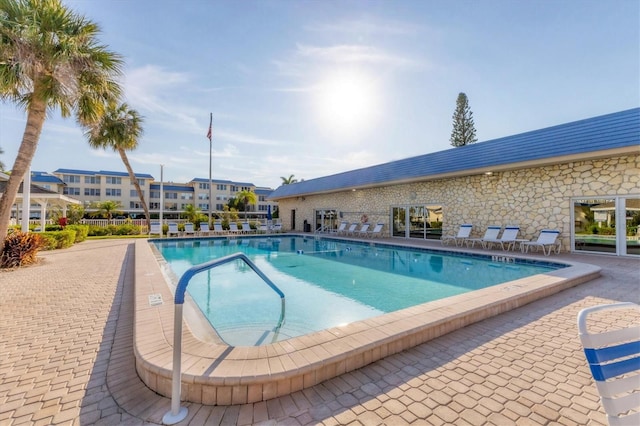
column 20, row 249
column 124, row 229
column 82, row 231
column 59, row 239
column 98, row 231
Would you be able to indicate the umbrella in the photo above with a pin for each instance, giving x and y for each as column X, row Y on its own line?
column 269, row 212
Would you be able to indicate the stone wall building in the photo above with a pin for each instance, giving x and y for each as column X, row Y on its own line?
column 577, row 177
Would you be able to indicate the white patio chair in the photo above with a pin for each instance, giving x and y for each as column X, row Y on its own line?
column 376, row 231
column 173, row 230
column 614, row 360
column 548, row 240
column 155, row 229
column 463, row 234
column 362, row 232
column 491, row 233
column 508, row 237
column 204, row 228
column 188, row 229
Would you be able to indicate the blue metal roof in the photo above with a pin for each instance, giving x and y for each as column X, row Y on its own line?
column 606, row 132
column 203, row 180
column 263, row 191
column 124, row 174
column 102, row 172
column 75, row 172
column 44, row 177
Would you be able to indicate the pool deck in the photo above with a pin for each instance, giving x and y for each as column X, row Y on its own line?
column 67, row 357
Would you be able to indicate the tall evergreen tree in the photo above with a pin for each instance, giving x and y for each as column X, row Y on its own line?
column 464, row 131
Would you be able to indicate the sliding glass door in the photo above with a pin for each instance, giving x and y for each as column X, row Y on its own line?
column 417, row 221
column 326, row 220
column 606, row 225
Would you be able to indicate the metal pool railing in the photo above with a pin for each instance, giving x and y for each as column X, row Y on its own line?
column 177, row 413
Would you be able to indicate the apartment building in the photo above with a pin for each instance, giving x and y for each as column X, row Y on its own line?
column 95, row 186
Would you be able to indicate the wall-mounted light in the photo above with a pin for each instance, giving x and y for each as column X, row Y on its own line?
column 488, row 173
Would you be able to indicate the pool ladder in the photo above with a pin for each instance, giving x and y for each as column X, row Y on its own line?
column 177, row 413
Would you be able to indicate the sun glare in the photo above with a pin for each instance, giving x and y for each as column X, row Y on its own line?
column 346, row 102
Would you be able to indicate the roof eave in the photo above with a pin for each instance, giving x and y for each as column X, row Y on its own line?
column 592, row 155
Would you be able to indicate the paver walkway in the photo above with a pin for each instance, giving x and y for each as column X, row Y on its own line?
column 66, row 358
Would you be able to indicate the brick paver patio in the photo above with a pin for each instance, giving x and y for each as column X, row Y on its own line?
column 66, row 357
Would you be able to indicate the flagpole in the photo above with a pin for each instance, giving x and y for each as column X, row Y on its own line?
column 210, row 135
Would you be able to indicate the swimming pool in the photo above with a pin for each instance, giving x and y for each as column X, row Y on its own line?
column 327, row 282
column 219, row 374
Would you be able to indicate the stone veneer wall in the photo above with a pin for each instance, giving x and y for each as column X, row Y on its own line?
column 533, row 198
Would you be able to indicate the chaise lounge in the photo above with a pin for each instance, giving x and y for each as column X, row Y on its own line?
column 463, row 234
column 548, row 240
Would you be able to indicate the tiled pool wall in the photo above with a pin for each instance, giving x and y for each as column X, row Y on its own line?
column 218, row 374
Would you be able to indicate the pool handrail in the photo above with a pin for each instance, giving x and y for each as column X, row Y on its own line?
column 177, row 413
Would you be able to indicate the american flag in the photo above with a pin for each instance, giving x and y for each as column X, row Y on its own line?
column 210, row 133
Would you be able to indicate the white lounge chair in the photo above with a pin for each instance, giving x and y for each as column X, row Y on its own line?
column 351, row 230
column 376, row 231
column 491, row 233
column 341, row 228
column 173, row 230
column 277, row 227
column 613, row 355
column 362, row 232
column 155, row 229
column 463, row 234
column 233, row 228
column 548, row 239
column 263, row 229
column 188, row 229
column 218, row 229
column 246, row 228
column 204, row 228
column 509, row 237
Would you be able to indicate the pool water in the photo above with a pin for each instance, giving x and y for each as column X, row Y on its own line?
column 327, row 283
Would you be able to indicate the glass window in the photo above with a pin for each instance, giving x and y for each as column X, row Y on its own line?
column 606, row 225
column 326, row 220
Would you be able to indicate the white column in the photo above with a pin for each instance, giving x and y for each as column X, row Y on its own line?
column 26, row 200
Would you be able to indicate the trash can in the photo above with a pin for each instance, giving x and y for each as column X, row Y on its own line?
column 307, row 226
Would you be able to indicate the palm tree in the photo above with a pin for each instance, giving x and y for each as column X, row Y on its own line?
column 246, row 197
column 192, row 213
column 289, row 180
column 107, row 209
column 50, row 58
column 119, row 129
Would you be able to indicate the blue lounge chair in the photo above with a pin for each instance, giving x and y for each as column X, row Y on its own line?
column 613, row 355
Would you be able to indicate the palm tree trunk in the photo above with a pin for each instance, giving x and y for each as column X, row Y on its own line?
column 36, row 115
column 132, row 176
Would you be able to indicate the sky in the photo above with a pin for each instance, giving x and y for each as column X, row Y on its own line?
column 314, row 88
